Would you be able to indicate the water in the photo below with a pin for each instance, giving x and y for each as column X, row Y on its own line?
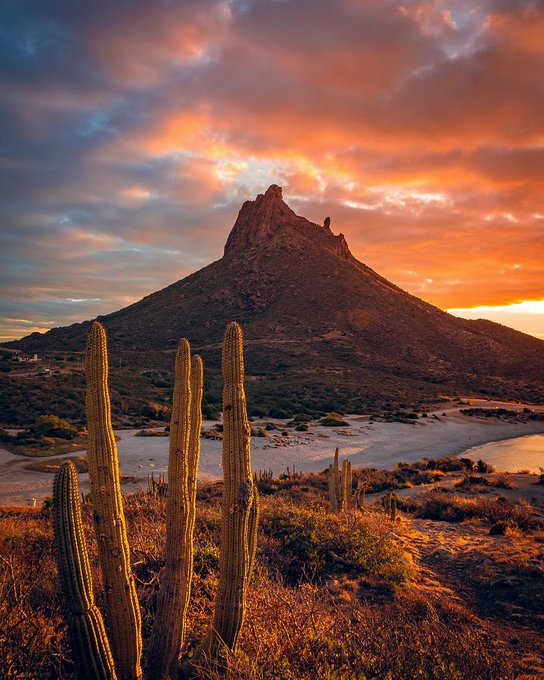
column 521, row 453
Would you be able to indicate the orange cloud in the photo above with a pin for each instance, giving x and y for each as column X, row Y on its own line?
column 415, row 125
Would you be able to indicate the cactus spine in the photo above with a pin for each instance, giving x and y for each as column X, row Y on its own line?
column 90, row 645
column 175, row 588
column 123, row 611
column 239, row 508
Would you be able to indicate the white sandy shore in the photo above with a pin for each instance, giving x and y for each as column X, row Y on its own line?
column 379, row 444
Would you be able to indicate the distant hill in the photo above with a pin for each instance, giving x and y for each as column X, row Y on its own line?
column 321, row 328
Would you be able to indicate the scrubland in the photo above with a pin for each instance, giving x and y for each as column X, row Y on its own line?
column 452, row 589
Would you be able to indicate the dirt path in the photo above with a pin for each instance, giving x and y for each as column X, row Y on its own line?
column 500, row 579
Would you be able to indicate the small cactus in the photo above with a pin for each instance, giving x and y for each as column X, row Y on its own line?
column 90, row 646
column 340, row 484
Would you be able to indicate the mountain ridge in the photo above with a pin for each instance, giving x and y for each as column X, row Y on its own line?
column 310, row 311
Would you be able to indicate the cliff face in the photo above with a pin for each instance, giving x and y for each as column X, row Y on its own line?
column 308, row 306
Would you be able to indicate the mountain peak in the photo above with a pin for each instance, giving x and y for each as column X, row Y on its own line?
column 261, row 219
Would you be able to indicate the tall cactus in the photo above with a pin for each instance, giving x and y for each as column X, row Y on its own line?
column 91, row 649
column 239, row 506
column 175, row 588
column 123, row 611
column 239, row 525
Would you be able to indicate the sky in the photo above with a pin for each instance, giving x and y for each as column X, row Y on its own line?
column 132, row 131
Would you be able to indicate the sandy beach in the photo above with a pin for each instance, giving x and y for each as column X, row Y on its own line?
column 378, row 444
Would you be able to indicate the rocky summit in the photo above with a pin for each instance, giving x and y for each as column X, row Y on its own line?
column 321, row 327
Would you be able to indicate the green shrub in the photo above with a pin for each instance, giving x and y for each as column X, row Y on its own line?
column 53, row 426
column 317, row 544
column 276, row 412
column 303, row 427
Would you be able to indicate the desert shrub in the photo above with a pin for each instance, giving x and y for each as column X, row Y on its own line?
column 53, row 426
column 333, row 420
column 305, row 633
column 303, row 427
column 276, row 412
column 442, row 506
column 501, row 527
column 316, row 544
column 484, row 468
column 261, row 432
column 472, row 480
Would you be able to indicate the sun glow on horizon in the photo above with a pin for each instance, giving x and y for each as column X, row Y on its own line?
column 518, row 315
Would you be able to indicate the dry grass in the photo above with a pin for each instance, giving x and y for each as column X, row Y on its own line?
column 331, row 596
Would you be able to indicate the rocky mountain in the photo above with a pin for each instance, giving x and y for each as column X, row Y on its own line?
column 321, row 327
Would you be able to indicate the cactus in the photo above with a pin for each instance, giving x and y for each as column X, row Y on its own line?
column 90, row 645
column 239, row 509
column 123, row 611
column 390, row 506
column 340, row 484
column 335, row 490
column 345, row 485
column 239, row 525
column 393, row 510
column 175, row 588
column 331, row 478
column 360, row 496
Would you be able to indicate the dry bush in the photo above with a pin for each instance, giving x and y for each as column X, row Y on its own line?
column 313, row 609
column 32, row 640
column 306, row 633
column 443, row 506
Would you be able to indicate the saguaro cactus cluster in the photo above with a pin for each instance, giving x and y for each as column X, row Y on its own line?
column 340, row 484
column 239, row 529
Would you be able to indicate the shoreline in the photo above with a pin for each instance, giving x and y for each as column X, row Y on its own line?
column 380, row 444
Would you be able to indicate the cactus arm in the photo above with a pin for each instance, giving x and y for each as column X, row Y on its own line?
column 337, row 477
column 350, row 486
column 197, row 387
column 344, row 485
column 123, row 611
column 90, row 646
column 175, row 588
column 332, row 488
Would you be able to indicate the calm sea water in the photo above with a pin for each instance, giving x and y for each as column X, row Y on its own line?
column 521, row 453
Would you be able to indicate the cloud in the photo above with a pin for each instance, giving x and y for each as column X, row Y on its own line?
column 134, row 131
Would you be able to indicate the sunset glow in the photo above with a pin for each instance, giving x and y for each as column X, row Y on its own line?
column 134, row 131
